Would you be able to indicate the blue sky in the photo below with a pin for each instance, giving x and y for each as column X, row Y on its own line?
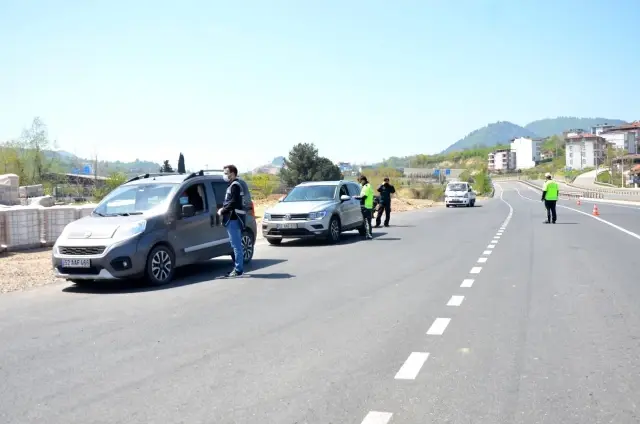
column 242, row 82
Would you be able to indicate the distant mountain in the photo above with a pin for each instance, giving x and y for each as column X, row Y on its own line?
column 491, row 135
column 502, row 132
column 278, row 161
column 549, row 127
column 66, row 162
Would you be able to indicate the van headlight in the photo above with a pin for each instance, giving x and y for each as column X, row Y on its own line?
column 317, row 215
column 266, row 217
column 130, row 230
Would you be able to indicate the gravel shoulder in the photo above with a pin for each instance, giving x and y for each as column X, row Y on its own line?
column 29, row 269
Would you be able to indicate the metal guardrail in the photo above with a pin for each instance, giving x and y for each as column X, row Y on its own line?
column 570, row 194
column 618, row 191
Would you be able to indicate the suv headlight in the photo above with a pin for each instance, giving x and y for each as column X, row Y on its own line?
column 317, row 215
column 130, row 230
column 266, row 217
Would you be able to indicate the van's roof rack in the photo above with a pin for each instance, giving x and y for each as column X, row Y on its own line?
column 202, row 172
column 151, row 174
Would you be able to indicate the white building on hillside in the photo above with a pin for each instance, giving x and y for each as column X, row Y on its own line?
column 503, row 160
column 599, row 129
column 527, row 152
column 585, row 151
column 624, row 137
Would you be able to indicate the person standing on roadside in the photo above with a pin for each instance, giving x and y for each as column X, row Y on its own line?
column 385, row 190
column 550, row 193
column 234, row 217
column 366, row 205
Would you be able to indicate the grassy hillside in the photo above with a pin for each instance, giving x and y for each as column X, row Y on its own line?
column 549, row 127
column 491, row 135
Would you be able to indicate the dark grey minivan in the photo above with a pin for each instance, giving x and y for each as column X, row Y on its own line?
column 148, row 227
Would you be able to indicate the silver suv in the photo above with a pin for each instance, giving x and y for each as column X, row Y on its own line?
column 319, row 209
column 148, row 227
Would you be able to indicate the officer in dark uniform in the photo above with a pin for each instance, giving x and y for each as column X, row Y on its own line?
column 385, row 190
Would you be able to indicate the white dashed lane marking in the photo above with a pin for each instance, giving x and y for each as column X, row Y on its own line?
column 412, row 366
column 487, row 252
column 438, row 326
column 491, row 246
column 475, row 270
column 375, row 417
column 455, row 301
column 467, row 283
column 482, row 260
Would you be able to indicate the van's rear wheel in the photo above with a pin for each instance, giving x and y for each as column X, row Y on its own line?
column 248, row 247
column 160, row 266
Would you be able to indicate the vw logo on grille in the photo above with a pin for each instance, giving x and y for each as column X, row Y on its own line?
column 287, row 217
column 87, row 234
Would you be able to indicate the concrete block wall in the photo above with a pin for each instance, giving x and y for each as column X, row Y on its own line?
column 9, row 189
column 36, row 226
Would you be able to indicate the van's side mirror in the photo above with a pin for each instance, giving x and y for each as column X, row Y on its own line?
column 344, row 198
column 281, row 199
column 470, row 189
column 188, row 211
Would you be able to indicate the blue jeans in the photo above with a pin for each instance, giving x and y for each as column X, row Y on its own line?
column 234, row 229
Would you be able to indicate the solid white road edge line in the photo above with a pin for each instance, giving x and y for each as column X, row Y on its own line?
column 467, row 282
column 375, row 417
column 438, row 326
column 455, row 301
column 412, row 366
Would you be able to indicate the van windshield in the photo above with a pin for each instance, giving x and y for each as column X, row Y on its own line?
column 457, row 187
column 310, row 193
column 135, row 199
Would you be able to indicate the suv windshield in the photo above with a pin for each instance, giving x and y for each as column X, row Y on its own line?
column 134, row 199
column 311, row 193
column 457, row 187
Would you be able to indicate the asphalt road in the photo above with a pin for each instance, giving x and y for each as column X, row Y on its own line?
column 420, row 325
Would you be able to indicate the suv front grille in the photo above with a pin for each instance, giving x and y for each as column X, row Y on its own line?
column 81, row 251
column 294, row 217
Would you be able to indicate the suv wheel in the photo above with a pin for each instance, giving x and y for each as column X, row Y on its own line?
column 248, row 247
column 334, row 230
column 274, row 240
column 160, row 266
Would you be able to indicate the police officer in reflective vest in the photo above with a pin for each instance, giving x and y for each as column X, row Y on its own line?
column 366, row 205
column 234, row 217
column 550, row 193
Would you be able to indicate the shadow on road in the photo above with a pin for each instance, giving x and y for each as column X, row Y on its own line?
column 347, row 238
column 566, row 223
column 387, row 239
column 185, row 276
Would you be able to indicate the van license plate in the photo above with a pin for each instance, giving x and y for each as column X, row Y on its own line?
column 76, row 263
column 287, row 226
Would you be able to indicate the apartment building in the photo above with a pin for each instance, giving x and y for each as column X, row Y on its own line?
column 624, row 137
column 585, row 150
column 527, row 152
column 502, row 160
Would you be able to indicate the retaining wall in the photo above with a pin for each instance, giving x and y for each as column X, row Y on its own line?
column 36, row 226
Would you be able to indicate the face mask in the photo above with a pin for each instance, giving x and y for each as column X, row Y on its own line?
column 226, row 177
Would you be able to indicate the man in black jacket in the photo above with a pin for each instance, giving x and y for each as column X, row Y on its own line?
column 385, row 190
column 233, row 217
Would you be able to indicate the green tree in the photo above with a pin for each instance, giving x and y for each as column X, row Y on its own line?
column 166, row 167
column 304, row 164
column 181, row 168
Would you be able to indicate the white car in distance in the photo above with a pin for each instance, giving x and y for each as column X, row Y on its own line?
column 459, row 193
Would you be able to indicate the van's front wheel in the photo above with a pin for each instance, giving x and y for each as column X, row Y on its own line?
column 160, row 266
